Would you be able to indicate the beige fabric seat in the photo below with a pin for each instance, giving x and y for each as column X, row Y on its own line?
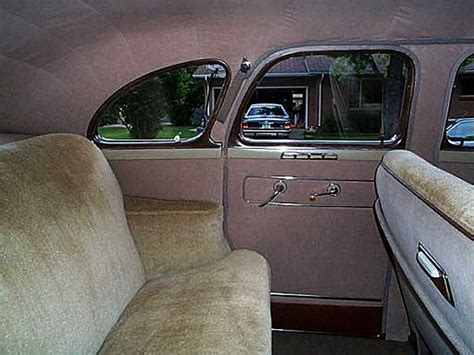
column 213, row 307
column 74, row 280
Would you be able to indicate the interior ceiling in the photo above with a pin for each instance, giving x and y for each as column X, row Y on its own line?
column 60, row 59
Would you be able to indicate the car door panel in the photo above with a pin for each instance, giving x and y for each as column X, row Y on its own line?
column 169, row 174
column 318, row 250
column 309, row 192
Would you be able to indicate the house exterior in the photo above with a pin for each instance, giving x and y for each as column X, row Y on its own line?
column 462, row 99
column 311, row 96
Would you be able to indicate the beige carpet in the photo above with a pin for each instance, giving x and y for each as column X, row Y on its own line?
column 307, row 343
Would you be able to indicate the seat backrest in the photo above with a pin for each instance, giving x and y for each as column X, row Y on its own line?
column 68, row 263
column 427, row 217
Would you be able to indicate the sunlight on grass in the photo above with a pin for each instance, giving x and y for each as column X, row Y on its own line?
column 166, row 132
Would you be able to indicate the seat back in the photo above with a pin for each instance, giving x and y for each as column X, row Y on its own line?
column 427, row 218
column 68, row 263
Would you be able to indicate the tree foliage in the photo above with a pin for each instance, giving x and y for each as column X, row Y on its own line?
column 389, row 68
column 174, row 94
column 183, row 94
column 140, row 109
column 469, row 60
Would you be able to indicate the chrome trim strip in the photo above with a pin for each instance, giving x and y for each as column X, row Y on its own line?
column 341, row 142
column 276, row 153
column 320, row 297
column 299, row 204
column 155, row 141
column 308, row 205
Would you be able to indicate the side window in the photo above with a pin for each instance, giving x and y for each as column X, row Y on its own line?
column 459, row 130
column 168, row 106
column 349, row 98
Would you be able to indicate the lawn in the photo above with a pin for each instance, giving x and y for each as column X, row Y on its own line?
column 337, row 136
column 166, row 132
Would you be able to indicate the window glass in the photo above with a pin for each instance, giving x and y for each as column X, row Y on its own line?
column 466, row 86
column 343, row 97
column 459, row 131
column 170, row 105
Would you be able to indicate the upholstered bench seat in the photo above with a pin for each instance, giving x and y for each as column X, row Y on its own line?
column 79, row 274
column 217, row 308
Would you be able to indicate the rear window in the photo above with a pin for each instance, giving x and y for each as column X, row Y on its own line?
column 266, row 111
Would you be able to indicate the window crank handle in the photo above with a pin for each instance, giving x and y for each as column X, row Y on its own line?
column 279, row 187
column 333, row 189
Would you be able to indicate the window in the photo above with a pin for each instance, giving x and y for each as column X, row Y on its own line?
column 331, row 98
column 169, row 106
column 466, row 85
column 365, row 93
column 459, row 131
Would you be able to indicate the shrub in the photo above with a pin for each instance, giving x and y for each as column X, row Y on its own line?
column 365, row 121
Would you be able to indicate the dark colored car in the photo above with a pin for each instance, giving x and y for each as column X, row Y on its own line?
column 267, row 120
column 461, row 132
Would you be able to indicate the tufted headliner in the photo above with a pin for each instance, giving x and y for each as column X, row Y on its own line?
column 60, row 59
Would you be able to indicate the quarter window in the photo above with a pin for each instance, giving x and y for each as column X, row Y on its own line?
column 333, row 98
column 171, row 105
column 459, row 130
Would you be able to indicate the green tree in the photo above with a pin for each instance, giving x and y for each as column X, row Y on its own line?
column 183, row 94
column 390, row 69
column 469, row 60
column 174, row 94
column 140, row 109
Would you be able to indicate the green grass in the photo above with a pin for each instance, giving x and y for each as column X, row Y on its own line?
column 337, row 136
column 166, row 132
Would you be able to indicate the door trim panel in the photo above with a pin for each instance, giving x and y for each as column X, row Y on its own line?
column 276, row 153
column 164, row 153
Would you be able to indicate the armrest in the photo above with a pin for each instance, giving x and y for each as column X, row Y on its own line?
column 173, row 236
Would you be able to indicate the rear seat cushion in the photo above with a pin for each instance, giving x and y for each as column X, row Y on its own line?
column 68, row 264
column 220, row 308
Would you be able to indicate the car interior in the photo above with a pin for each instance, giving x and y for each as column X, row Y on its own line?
column 235, row 177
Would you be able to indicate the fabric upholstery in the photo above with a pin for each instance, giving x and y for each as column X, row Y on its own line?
column 451, row 195
column 68, row 263
column 407, row 221
column 220, row 308
column 173, row 236
column 69, row 266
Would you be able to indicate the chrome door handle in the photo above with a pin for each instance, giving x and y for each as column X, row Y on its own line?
column 279, row 187
column 333, row 189
column 435, row 272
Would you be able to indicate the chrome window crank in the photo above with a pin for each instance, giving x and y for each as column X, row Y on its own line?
column 279, row 187
column 333, row 189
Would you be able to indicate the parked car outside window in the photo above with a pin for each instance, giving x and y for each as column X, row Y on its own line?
column 266, row 120
column 461, row 133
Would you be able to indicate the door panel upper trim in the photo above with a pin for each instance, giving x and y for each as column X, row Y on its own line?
column 452, row 156
column 154, row 154
column 275, row 153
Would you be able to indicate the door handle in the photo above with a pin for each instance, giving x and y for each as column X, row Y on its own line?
column 435, row 272
column 279, row 187
column 333, row 189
